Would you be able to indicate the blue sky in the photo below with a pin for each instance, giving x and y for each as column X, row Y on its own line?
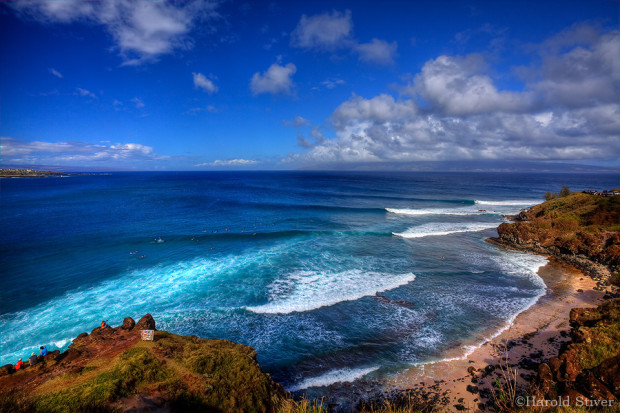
column 190, row 85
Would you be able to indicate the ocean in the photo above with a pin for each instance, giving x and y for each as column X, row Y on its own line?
column 330, row 276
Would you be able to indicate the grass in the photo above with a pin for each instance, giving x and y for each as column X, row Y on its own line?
column 606, row 334
column 133, row 370
column 191, row 374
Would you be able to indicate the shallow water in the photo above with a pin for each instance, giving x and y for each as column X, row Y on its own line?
column 289, row 263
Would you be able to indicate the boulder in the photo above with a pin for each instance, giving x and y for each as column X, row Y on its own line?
column 609, row 373
column 7, row 369
column 128, row 323
column 146, row 323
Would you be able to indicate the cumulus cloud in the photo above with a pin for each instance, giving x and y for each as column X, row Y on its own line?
column 327, row 31
column 458, row 86
column 330, row 32
column 204, row 83
column 142, row 30
column 55, row 73
column 277, row 80
column 377, row 51
column 17, row 151
column 229, row 163
column 454, row 110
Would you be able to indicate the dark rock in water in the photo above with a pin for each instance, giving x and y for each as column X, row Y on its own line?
column 146, row 323
column 481, row 406
column 471, row 369
column 489, row 369
column 128, row 323
column 472, row 389
column 459, row 407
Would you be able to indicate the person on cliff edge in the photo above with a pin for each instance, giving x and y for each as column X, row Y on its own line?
column 44, row 350
column 33, row 359
column 19, row 364
column 104, row 324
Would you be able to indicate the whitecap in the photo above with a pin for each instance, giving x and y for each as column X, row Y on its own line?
column 333, row 376
column 310, row 290
column 435, row 211
column 437, row 229
column 509, row 202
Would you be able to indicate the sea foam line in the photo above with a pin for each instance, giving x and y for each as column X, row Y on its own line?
column 437, row 229
column 333, row 376
column 531, row 264
column 524, row 202
column 309, row 290
column 434, row 211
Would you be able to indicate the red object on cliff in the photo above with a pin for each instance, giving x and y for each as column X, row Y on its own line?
column 19, row 364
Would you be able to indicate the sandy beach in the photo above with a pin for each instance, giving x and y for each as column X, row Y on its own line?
column 535, row 335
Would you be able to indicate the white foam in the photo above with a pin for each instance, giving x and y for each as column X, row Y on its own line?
column 519, row 264
column 333, row 376
column 436, row 229
column 435, row 211
column 524, row 202
column 309, row 290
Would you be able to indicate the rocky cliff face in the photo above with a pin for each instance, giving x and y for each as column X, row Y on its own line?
column 589, row 367
column 580, row 229
column 112, row 369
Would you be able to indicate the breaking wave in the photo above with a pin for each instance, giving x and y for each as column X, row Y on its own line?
column 310, row 290
column 436, row 229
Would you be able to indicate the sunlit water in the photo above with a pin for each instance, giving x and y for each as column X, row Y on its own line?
column 289, row 263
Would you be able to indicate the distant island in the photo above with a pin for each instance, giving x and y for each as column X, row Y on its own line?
column 31, row 173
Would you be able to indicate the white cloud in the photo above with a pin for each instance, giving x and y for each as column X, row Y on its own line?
column 204, row 83
column 55, row 73
column 454, row 110
column 377, row 51
column 458, row 86
column 142, row 30
column 138, row 103
column 328, row 31
column 276, row 80
column 298, row 122
column 229, row 163
column 17, row 151
column 84, row 93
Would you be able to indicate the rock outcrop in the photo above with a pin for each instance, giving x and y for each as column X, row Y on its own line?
column 589, row 367
column 579, row 229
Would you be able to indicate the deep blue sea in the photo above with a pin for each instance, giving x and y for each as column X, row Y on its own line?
column 287, row 262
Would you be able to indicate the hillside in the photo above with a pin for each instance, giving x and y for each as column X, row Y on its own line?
column 112, row 369
column 579, row 229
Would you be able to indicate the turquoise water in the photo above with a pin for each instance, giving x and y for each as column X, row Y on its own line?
column 289, row 263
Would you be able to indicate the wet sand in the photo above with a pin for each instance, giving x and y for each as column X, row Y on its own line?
column 536, row 334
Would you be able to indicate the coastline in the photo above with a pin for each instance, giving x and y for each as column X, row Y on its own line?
column 534, row 335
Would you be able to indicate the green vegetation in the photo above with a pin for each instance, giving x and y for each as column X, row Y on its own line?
column 599, row 342
column 188, row 373
column 563, row 192
column 133, row 370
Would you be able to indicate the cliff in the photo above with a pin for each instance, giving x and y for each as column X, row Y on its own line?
column 578, row 229
column 589, row 367
column 112, row 369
